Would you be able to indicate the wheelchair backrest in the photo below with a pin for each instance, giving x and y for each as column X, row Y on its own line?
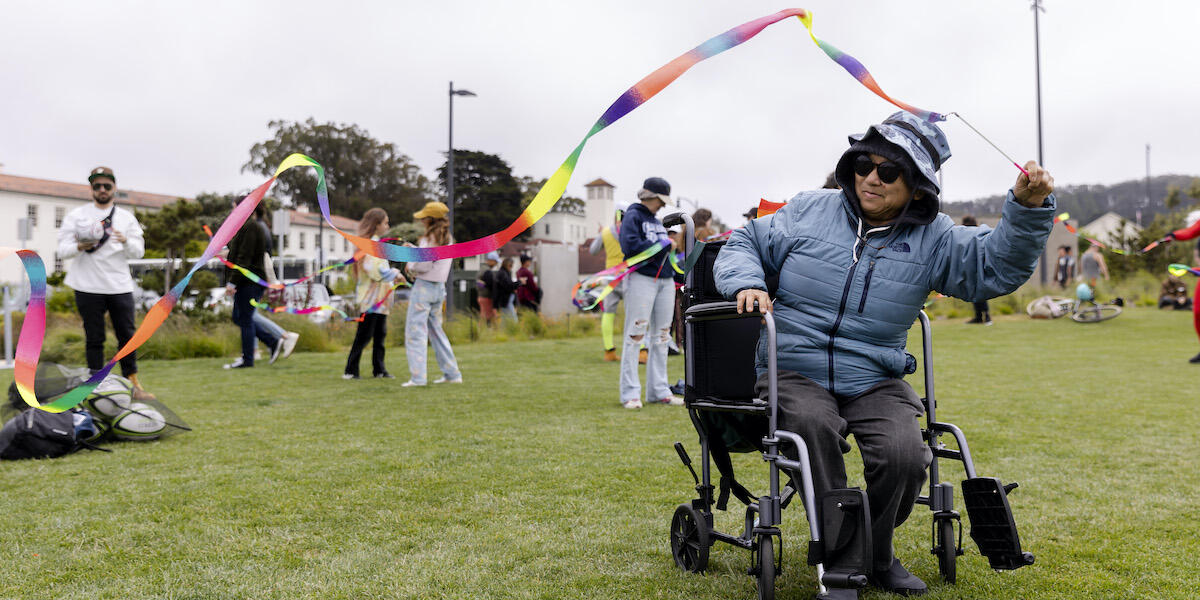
column 702, row 284
column 722, row 355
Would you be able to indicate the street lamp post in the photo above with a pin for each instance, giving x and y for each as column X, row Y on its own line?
column 450, row 192
column 1037, row 62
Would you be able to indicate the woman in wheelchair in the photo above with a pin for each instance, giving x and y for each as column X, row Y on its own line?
column 854, row 268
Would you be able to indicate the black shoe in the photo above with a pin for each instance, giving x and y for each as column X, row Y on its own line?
column 975, row 321
column 898, row 580
column 384, row 375
column 1194, row 359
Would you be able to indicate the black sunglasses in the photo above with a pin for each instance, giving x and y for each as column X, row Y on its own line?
column 102, row 186
column 888, row 171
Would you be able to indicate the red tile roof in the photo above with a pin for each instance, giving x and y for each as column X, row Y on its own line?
column 597, row 182
column 79, row 191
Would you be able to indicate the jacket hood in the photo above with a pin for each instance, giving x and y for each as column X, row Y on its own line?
column 919, row 146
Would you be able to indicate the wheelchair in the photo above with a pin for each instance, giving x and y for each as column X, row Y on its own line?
column 728, row 417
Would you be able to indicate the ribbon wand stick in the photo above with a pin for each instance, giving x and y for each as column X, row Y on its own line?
column 960, row 118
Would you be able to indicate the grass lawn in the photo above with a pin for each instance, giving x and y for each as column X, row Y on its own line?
column 529, row 481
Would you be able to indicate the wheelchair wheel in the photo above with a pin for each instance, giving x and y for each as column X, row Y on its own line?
column 946, row 549
column 689, row 539
column 1095, row 314
column 765, row 555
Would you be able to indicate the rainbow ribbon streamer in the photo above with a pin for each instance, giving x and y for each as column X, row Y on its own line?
column 1179, row 270
column 33, row 330
column 1062, row 218
column 610, row 278
column 277, row 285
column 634, row 97
column 308, row 310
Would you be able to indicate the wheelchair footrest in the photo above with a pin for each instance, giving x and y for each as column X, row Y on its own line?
column 992, row 525
column 845, row 546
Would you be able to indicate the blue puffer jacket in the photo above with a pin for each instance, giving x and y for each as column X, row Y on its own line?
column 845, row 303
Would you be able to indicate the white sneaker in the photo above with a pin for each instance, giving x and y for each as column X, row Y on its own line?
column 289, row 343
column 276, row 352
column 635, row 403
column 411, row 383
column 237, row 363
column 670, row 401
column 443, row 379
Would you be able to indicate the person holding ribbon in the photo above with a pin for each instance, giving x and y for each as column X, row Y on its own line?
column 247, row 250
column 608, row 243
column 423, row 324
column 371, row 292
column 100, row 238
column 649, row 298
column 855, row 267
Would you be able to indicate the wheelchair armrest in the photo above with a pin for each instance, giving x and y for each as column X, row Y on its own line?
column 719, row 310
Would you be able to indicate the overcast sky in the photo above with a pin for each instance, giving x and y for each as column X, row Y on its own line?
column 172, row 95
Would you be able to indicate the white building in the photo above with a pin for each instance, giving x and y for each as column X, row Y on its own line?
column 45, row 202
column 1111, row 229
column 579, row 226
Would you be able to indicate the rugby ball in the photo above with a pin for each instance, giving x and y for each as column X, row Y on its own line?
column 110, row 398
column 140, row 422
column 89, row 232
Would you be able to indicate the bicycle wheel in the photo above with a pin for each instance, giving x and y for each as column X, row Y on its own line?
column 1095, row 314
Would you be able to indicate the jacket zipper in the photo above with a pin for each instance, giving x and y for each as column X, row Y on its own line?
column 841, row 312
column 866, row 286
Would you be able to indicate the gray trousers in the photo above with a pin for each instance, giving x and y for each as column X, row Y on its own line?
column 884, row 422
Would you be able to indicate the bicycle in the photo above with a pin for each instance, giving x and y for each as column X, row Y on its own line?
column 1087, row 310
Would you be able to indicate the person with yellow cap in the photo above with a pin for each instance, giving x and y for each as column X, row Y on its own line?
column 423, row 324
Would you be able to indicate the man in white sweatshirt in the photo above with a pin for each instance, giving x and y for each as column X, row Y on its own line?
column 100, row 238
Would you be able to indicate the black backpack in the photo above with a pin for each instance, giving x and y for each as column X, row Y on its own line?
column 41, row 434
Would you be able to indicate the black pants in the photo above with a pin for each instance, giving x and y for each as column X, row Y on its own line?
column 981, row 310
column 884, row 421
column 120, row 311
column 374, row 327
column 243, row 317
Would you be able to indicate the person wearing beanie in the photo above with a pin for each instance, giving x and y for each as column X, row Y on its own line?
column 99, row 239
column 855, row 266
column 649, row 298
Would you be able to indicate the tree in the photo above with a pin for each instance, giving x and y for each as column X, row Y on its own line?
column 487, row 198
column 361, row 172
column 170, row 229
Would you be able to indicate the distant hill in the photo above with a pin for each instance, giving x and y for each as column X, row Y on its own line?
column 1086, row 202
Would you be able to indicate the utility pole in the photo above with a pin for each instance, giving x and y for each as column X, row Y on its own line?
column 1147, row 174
column 1037, row 66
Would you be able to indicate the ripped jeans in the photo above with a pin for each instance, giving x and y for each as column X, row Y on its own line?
column 649, row 307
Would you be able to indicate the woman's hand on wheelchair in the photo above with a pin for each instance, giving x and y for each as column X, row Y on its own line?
column 746, row 299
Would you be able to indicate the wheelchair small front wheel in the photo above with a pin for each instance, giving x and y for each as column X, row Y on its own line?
column 765, row 555
column 946, row 549
column 689, row 539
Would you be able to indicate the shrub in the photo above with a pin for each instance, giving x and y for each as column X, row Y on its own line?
column 61, row 301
